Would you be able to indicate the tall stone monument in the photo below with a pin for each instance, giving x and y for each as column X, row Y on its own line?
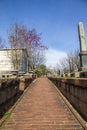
column 83, row 50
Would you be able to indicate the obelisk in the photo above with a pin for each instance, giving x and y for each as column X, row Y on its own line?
column 82, row 37
column 83, row 49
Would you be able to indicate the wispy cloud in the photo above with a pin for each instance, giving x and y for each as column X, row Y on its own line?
column 53, row 56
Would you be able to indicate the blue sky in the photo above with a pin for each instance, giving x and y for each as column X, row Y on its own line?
column 57, row 20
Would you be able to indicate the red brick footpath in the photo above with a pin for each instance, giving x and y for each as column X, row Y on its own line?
column 41, row 108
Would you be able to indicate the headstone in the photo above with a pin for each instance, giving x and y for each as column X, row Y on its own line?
column 83, row 51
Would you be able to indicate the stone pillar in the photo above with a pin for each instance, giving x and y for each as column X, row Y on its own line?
column 83, row 49
column 22, row 84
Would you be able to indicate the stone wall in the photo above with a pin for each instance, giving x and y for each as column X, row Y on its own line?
column 75, row 90
column 10, row 91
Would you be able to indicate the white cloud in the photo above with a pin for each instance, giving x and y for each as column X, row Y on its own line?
column 53, row 56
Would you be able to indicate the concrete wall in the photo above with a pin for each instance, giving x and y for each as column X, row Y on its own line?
column 10, row 91
column 75, row 90
column 8, row 61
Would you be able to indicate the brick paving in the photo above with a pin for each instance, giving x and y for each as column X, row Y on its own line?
column 41, row 108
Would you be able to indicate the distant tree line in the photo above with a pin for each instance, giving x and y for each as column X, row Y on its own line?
column 70, row 63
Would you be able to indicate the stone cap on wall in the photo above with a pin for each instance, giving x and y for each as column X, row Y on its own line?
column 79, row 82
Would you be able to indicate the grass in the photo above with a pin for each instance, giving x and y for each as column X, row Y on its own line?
column 6, row 116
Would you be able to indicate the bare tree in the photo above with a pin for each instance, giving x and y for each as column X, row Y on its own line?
column 73, row 61
column 20, row 37
column 13, row 36
column 37, row 58
column 1, row 43
column 77, row 59
column 64, row 65
column 70, row 62
column 36, row 49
